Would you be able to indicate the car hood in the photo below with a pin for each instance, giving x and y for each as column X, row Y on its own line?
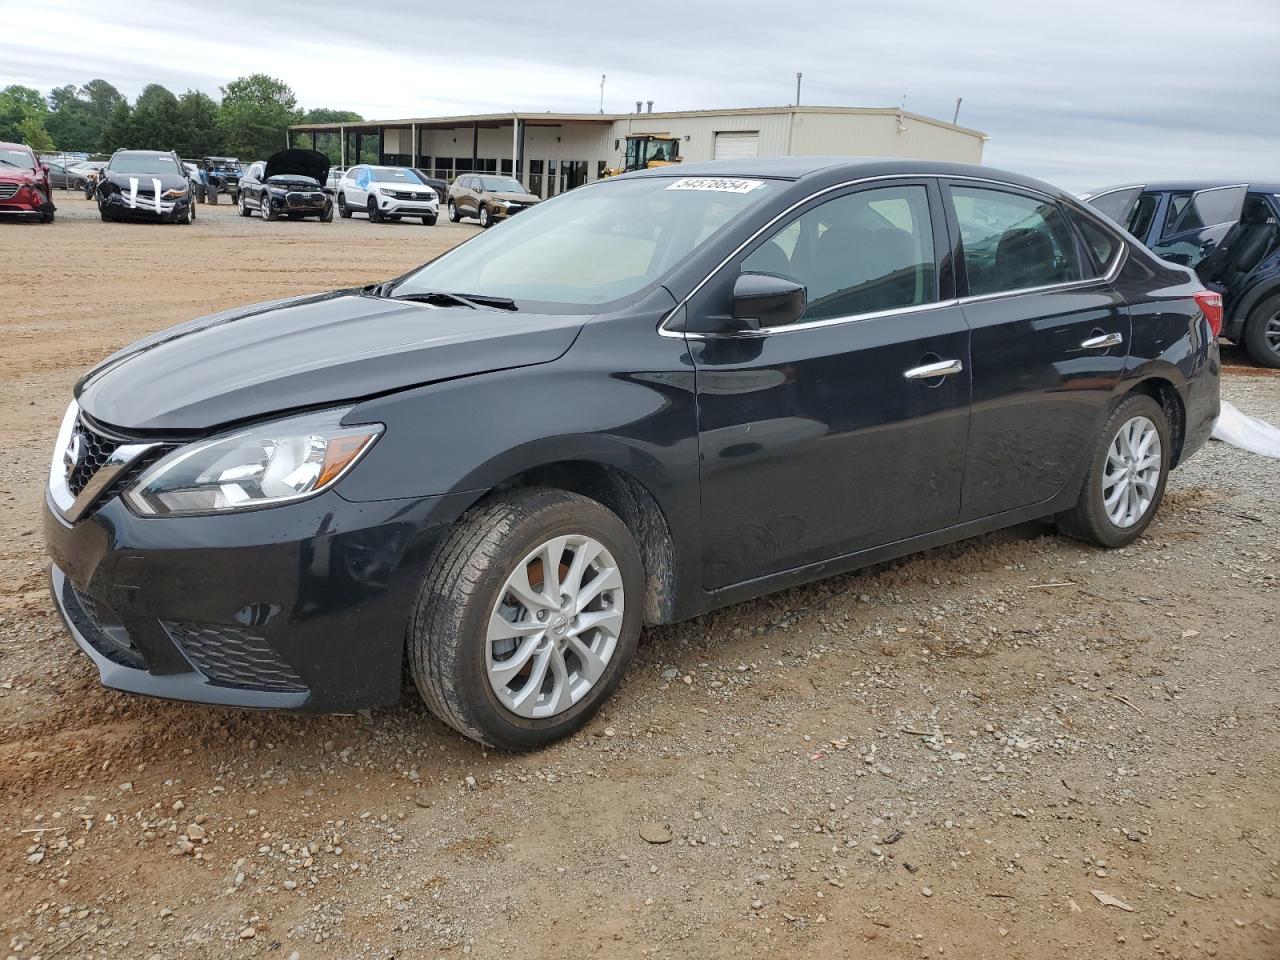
column 307, row 352
column 528, row 198
column 124, row 181
column 296, row 162
column 20, row 175
column 400, row 185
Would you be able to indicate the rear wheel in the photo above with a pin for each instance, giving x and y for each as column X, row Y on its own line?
column 1262, row 333
column 240, row 206
column 1126, row 478
column 528, row 618
column 453, row 212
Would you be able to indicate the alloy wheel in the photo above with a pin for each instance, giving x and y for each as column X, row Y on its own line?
column 1271, row 334
column 554, row 627
column 1132, row 473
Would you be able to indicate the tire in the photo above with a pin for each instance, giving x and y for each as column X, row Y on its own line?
column 1091, row 519
column 265, row 205
column 453, row 212
column 343, row 210
column 211, row 194
column 372, row 209
column 486, row 218
column 106, row 218
column 190, row 216
column 198, row 190
column 428, row 221
column 1262, row 333
column 447, row 639
column 240, row 206
column 327, row 216
column 47, row 217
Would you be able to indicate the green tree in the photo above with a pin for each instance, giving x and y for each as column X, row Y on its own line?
column 34, row 135
column 255, row 115
column 155, row 119
column 71, row 122
column 102, row 98
column 118, row 131
column 17, row 105
column 198, row 131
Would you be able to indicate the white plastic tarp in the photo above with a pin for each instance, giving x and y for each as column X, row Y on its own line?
column 1247, row 433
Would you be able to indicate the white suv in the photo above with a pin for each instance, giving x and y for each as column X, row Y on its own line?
column 386, row 193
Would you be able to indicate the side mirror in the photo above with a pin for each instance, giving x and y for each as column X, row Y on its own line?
column 44, row 167
column 763, row 300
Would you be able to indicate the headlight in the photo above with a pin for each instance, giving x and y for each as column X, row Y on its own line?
column 177, row 193
column 262, row 466
column 386, row 192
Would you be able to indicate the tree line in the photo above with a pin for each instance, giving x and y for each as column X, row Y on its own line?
column 248, row 122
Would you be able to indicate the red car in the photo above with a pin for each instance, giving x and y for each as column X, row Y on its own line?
column 24, row 183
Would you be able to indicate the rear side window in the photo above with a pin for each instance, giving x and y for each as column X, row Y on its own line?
column 861, row 253
column 1101, row 243
column 1013, row 242
column 1144, row 211
column 1205, row 208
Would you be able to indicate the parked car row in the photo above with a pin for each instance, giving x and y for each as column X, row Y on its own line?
column 660, row 394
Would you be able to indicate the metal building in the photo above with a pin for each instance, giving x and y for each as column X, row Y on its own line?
column 554, row 152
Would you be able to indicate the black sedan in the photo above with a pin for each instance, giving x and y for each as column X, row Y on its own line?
column 289, row 184
column 145, row 185
column 642, row 400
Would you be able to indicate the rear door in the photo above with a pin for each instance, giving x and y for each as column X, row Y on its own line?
column 1049, row 341
column 1195, row 223
column 846, row 430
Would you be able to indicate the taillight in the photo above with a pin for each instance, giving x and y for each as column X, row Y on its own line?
column 1210, row 304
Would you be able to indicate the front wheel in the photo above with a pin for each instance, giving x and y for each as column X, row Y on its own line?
column 486, row 218
column 528, row 618
column 372, row 207
column 1126, row 478
column 267, row 207
column 327, row 215
column 343, row 210
column 1262, row 333
column 428, row 221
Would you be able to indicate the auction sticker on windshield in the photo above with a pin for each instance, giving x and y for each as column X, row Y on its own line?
column 719, row 184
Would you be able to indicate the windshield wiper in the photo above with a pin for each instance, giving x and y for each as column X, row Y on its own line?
column 472, row 300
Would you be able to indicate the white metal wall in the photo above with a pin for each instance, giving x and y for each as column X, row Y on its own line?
column 881, row 135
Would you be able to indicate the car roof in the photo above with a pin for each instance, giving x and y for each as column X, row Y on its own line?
column 146, row 153
column 1175, row 186
column 798, row 168
column 15, row 146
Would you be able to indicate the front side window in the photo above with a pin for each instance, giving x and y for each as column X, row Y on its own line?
column 598, row 244
column 1013, row 242
column 861, row 253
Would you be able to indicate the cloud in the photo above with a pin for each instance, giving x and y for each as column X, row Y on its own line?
column 1081, row 94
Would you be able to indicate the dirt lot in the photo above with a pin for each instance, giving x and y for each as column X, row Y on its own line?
column 1015, row 747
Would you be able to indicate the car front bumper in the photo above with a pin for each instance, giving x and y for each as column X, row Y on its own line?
column 30, row 201
column 146, row 208
column 394, row 207
column 302, row 606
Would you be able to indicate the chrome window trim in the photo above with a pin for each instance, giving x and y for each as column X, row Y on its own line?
column 1106, row 277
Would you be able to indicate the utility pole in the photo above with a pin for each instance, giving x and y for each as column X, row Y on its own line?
column 798, row 78
column 956, row 116
column 602, row 93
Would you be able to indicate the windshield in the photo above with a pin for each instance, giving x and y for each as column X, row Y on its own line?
column 152, row 163
column 17, row 158
column 227, row 166
column 501, row 185
column 592, row 245
column 396, row 174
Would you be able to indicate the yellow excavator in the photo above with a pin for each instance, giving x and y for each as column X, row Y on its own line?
column 645, row 151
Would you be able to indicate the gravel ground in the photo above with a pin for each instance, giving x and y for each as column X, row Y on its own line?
column 1017, row 746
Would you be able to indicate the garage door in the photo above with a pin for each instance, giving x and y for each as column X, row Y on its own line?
column 736, row 145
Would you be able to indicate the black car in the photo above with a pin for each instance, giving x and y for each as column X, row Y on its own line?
column 145, row 185
column 441, row 187
column 1230, row 234
column 289, row 184
column 645, row 399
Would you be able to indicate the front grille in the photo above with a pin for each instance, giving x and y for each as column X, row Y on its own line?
column 7, row 190
column 95, row 450
column 408, row 195
column 233, row 657
column 304, row 199
column 102, row 629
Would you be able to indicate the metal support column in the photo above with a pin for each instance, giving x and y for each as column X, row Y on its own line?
column 342, row 146
column 413, row 150
column 475, row 145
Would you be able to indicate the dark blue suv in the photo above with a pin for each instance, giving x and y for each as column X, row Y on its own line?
column 1228, row 232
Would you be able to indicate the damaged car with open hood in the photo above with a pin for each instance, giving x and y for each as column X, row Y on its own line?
column 289, row 184
column 149, row 185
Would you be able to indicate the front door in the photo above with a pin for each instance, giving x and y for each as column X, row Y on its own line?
column 847, row 429
column 1050, row 340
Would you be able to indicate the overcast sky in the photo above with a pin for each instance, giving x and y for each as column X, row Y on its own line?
column 1080, row 94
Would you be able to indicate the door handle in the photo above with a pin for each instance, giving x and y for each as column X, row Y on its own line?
column 931, row 371
column 1102, row 340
